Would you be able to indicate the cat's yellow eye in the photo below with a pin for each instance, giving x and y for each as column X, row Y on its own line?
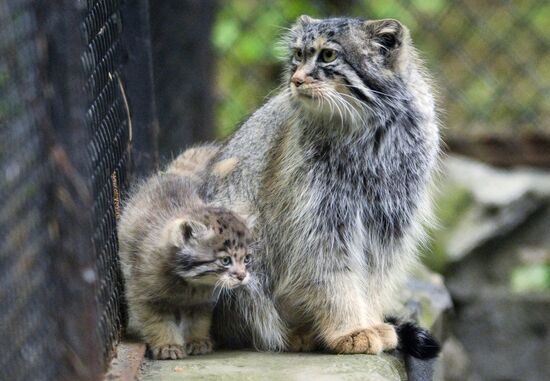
column 328, row 55
column 298, row 54
column 247, row 259
column 226, row 261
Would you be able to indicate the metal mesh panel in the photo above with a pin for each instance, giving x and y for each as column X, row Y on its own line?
column 106, row 119
column 488, row 59
column 64, row 158
column 26, row 325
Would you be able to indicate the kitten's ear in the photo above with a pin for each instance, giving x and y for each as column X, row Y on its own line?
column 389, row 34
column 182, row 230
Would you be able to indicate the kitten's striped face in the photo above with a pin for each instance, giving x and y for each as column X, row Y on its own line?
column 342, row 67
column 215, row 250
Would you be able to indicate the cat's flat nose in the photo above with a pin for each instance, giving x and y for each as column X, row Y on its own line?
column 297, row 81
column 240, row 276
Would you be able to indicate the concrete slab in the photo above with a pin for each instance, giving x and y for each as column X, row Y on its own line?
column 251, row 366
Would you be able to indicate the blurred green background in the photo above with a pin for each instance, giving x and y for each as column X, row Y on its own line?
column 488, row 58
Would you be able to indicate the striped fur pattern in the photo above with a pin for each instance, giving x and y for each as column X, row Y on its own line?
column 337, row 167
column 178, row 254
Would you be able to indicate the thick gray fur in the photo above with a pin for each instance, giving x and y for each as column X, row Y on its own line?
column 339, row 179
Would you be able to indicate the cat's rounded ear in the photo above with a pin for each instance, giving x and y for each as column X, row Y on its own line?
column 388, row 34
column 304, row 20
column 182, row 230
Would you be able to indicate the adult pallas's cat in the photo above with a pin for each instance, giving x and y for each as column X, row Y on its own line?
column 337, row 165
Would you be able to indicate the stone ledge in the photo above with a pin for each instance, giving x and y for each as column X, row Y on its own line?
column 248, row 365
column 424, row 299
column 126, row 364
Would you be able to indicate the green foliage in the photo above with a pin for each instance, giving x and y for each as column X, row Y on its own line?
column 488, row 58
column 249, row 63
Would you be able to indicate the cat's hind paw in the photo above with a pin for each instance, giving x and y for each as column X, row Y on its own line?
column 168, row 352
column 199, row 346
column 302, row 343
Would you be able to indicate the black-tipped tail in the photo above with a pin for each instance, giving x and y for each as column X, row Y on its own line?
column 415, row 340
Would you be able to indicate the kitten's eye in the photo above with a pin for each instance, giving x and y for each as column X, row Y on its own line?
column 328, row 55
column 226, row 261
column 247, row 259
column 298, row 54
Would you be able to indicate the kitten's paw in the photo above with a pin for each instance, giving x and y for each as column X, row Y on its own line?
column 363, row 341
column 302, row 343
column 168, row 352
column 199, row 346
column 388, row 335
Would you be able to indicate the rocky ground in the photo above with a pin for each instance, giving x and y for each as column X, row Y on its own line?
column 493, row 247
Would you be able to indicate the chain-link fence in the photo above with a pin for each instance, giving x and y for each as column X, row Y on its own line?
column 68, row 86
column 489, row 61
column 107, row 122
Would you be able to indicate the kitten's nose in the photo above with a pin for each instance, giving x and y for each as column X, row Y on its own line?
column 240, row 276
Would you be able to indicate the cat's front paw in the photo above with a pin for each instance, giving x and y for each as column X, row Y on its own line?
column 199, row 346
column 372, row 340
column 168, row 352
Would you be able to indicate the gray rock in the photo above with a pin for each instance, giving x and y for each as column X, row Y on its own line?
column 481, row 224
column 242, row 366
column 426, row 300
column 502, row 201
column 496, row 187
column 454, row 363
column 490, row 267
column 507, row 336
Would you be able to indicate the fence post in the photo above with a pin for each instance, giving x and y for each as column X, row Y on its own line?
column 138, row 84
column 183, row 71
